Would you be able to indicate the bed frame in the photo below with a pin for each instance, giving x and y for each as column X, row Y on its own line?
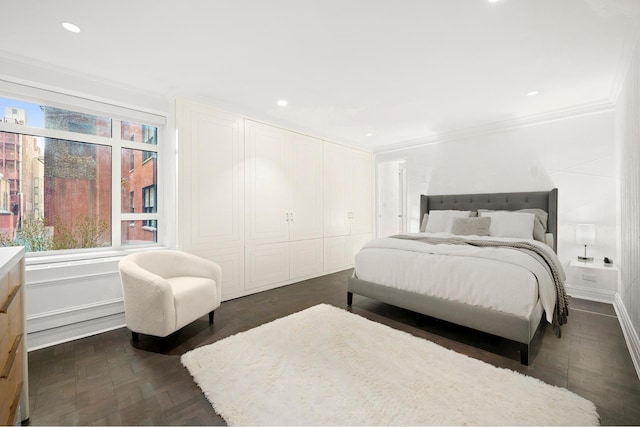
column 515, row 328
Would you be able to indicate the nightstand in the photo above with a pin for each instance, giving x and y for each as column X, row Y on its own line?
column 592, row 281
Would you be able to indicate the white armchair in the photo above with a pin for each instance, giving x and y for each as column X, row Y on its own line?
column 165, row 290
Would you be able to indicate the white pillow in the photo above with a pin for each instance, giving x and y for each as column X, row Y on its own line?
column 440, row 221
column 423, row 224
column 510, row 224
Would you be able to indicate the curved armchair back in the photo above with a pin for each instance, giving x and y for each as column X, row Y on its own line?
column 149, row 281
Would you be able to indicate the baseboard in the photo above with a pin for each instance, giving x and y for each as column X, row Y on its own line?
column 245, row 292
column 55, row 327
column 581, row 292
column 630, row 334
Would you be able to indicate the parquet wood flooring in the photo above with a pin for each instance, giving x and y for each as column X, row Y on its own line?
column 106, row 380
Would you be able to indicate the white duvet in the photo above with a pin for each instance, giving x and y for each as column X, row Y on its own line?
column 496, row 278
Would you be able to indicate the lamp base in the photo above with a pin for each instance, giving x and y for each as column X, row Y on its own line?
column 585, row 259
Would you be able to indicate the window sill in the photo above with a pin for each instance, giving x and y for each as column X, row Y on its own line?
column 36, row 261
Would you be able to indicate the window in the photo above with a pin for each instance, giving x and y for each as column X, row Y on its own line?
column 149, row 197
column 132, row 208
column 62, row 188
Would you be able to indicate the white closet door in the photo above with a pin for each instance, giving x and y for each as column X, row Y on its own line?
column 338, row 253
column 306, row 187
column 211, row 178
column 305, row 258
column 361, row 192
column 337, row 177
column 267, row 183
column 231, row 262
column 266, row 264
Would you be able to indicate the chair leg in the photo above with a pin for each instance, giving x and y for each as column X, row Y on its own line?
column 134, row 336
column 211, row 317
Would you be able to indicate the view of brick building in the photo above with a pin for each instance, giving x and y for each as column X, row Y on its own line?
column 67, row 183
column 7, row 218
column 77, row 175
column 138, row 181
column 21, row 167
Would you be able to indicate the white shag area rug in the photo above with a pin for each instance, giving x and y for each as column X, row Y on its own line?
column 326, row 366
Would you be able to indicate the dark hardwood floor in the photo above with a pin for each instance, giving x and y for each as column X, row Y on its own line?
column 105, row 380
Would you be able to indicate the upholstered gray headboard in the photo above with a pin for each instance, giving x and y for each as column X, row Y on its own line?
column 546, row 200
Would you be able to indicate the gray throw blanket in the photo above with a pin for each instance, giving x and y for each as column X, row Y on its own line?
column 561, row 309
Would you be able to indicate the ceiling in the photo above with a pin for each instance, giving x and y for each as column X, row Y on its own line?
column 399, row 70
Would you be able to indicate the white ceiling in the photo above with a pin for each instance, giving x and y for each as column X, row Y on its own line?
column 399, row 69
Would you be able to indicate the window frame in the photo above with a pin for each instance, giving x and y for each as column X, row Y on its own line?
column 117, row 114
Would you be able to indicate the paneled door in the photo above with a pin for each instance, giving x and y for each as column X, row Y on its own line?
column 267, row 178
column 337, row 185
column 210, row 178
column 361, row 192
column 306, row 188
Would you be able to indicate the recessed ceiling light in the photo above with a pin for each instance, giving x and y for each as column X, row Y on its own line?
column 369, row 134
column 532, row 93
column 494, row 1
column 282, row 102
column 71, row 27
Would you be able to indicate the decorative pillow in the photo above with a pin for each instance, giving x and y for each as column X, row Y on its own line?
column 442, row 220
column 510, row 224
column 423, row 224
column 540, row 224
column 471, row 226
column 548, row 239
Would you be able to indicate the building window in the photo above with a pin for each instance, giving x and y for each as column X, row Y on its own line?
column 66, row 175
column 132, row 207
column 149, row 198
column 146, row 155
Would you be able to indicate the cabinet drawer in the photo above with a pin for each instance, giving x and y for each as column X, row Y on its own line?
column 13, row 361
column 15, row 276
column 11, row 383
column 4, row 290
column 14, row 315
column 5, row 396
column 4, row 348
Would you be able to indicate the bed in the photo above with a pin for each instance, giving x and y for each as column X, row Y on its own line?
column 405, row 272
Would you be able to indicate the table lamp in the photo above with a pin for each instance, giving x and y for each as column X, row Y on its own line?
column 585, row 235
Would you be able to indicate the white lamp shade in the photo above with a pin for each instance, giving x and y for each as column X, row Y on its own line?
column 585, row 234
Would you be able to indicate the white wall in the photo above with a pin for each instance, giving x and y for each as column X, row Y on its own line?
column 574, row 154
column 628, row 142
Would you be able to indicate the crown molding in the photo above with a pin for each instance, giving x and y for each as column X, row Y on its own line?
column 502, row 125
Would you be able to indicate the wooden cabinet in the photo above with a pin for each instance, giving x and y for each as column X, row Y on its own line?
column 13, row 349
column 284, row 185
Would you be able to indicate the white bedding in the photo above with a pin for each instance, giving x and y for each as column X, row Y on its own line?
column 500, row 279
